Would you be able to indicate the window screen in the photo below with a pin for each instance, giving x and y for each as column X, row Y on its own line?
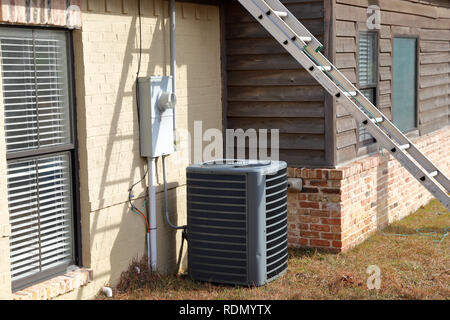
column 368, row 70
column 35, row 88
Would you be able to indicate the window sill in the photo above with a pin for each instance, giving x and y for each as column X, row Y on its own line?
column 57, row 286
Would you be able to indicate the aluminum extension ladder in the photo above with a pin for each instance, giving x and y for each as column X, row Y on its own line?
column 305, row 48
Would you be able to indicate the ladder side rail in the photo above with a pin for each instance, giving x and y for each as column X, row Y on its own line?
column 350, row 87
column 418, row 173
column 429, row 166
column 294, row 47
column 383, row 138
column 285, row 36
column 272, row 22
column 292, row 21
column 386, row 124
column 274, row 25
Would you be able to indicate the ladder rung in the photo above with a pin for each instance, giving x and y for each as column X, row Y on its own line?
column 377, row 120
column 434, row 174
column 352, row 94
column 388, row 135
column 405, row 146
column 306, row 39
column 281, row 14
column 327, row 68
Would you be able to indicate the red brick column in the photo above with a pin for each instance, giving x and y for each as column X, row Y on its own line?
column 314, row 215
column 340, row 208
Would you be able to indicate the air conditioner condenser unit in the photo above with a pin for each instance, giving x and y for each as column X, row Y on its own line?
column 237, row 221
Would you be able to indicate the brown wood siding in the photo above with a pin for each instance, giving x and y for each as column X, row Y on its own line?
column 268, row 89
column 429, row 21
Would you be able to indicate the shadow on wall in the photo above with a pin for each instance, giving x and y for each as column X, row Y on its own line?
column 381, row 189
column 112, row 234
column 202, row 76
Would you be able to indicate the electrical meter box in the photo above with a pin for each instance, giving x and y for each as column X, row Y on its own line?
column 156, row 106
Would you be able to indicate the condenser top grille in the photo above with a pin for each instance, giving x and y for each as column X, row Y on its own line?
column 236, row 163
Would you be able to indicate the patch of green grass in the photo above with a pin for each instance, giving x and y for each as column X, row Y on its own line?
column 412, row 267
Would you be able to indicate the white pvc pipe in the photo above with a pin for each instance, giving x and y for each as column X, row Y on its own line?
column 152, row 213
column 151, row 162
column 107, row 292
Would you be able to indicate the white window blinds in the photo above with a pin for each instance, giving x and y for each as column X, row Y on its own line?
column 35, row 89
column 368, row 69
column 40, row 214
column 36, row 100
column 367, row 58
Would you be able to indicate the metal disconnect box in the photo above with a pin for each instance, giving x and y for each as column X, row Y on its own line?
column 156, row 101
column 237, row 221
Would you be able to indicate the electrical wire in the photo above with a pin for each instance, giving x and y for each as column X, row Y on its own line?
column 130, row 191
column 133, row 207
column 140, row 38
column 136, row 210
column 166, row 199
column 139, row 61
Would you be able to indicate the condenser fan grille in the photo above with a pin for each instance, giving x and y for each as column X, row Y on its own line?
column 217, row 227
column 276, row 224
column 237, row 222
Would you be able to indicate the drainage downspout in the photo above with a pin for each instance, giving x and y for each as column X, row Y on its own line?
column 151, row 240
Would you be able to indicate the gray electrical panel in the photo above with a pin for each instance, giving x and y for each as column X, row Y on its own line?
column 237, row 221
column 156, row 106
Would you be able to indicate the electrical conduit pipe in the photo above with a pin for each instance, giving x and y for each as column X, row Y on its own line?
column 151, row 237
column 173, row 60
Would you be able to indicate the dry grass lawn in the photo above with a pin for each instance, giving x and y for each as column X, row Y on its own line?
column 415, row 266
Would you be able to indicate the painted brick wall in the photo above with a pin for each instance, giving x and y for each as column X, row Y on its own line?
column 340, row 208
column 5, row 229
column 42, row 12
column 106, row 62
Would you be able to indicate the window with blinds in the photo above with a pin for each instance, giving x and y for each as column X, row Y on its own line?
column 368, row 73
column 35, row 87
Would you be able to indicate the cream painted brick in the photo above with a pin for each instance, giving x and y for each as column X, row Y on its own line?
column 5, row 230
column 5, row 273
column 106, row 59
column 96, row 26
